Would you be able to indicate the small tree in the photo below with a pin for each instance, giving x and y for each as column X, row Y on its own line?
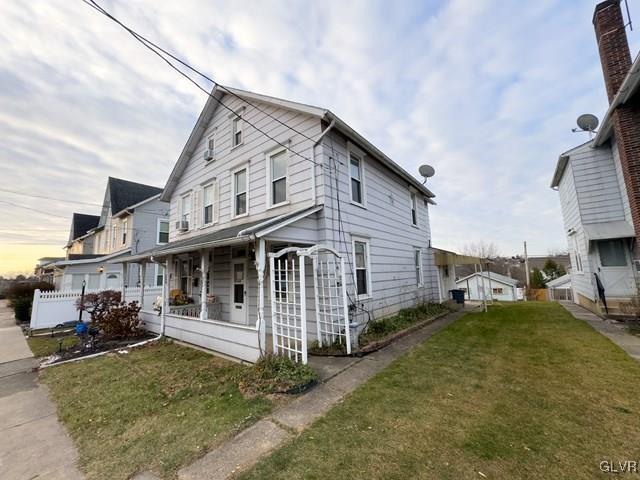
column 20, row 298
column 537, row 279
column 98, row 304
column 552, row 270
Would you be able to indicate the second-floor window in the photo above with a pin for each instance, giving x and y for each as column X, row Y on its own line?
column 236, row 130
column 355, row 172
column 278, row 169
column 163, row 231
column 185, row 209
column 207, row 204
column 240, row 192
column 211, row 144
column 414, row 209
column 124, row 232
column 114, row 236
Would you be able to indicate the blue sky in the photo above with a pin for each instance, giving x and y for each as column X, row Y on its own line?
column 486, row 91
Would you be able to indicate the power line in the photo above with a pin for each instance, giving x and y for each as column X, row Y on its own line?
column 33, row 209
column 157, row 51
column 50, row 198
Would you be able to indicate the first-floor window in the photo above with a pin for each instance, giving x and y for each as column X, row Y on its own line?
column 576, row 253
column 498, row 291
column 185, row 277
column 612, row 253
column 417, row 260
column 361, row 261
column 159, row 276
column 240, row 192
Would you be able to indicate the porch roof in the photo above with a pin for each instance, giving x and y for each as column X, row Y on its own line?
column 227, row 236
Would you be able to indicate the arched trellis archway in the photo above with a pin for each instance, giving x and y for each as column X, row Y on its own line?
column 289, row 300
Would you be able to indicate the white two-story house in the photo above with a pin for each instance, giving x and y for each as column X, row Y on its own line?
column 261, row 180
column 132, row 219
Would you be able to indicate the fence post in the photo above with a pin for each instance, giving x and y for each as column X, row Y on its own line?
column 34, row 307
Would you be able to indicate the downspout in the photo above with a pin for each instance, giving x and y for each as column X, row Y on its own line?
column 313, row 159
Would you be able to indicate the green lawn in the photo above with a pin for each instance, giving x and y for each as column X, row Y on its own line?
column 43, row 346
column 155, row 408
column 523, row 392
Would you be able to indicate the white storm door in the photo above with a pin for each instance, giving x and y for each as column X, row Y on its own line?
column 238, row 291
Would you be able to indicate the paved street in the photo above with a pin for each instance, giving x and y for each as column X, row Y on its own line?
column 33, row 444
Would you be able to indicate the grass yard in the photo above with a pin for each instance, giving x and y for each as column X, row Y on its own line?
column 43, row 346
column 523, row 392
column 155, row 408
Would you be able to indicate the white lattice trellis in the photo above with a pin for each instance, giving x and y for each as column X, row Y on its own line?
column 289, row 303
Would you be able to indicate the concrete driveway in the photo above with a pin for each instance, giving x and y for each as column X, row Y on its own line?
column 33, row 444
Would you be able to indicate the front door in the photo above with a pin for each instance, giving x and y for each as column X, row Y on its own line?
column 239, row 291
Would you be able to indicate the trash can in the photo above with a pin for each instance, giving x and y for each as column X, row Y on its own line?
column 457, row 295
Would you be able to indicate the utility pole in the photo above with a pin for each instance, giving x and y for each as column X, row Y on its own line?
column 526, row 267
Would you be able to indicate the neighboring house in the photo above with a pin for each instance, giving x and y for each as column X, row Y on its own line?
column 560, row 288
column 489, row 286
column 45, row 270
column 132, row 219
column 448, row 264
column 599, row 181
column 237, row 196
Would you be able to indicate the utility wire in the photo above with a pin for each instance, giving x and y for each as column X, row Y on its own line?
column 33, row 209
column 157, row 51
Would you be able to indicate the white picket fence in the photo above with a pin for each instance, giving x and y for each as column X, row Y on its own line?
column 55, row 307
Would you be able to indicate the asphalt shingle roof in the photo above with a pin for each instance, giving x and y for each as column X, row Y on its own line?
column 81, row 223
column 124, row 193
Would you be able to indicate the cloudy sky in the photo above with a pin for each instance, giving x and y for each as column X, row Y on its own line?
column 486, row 91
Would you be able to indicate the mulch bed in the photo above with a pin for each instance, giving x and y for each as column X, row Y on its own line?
column 376, row 345
column 102, row 345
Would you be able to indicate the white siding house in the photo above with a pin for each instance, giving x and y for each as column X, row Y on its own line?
column 260, row 174
column 489, row 286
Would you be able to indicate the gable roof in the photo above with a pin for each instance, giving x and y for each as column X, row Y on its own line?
column 560, row 281
column 494, row 277
column 563, row 160
column 81, row 223
column 215, row 98
column 124, row 194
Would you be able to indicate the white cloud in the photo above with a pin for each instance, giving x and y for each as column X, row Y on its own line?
column 485, row 90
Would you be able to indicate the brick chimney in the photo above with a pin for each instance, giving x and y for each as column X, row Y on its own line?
column 616, row 63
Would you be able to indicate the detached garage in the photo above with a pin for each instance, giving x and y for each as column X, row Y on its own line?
column 489, row 286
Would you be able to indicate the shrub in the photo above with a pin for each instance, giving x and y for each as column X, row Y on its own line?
column 21, row 298
column 98, row 304
column 121, row 321
column 277, row 374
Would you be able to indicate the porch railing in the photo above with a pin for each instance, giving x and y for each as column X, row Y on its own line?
column 192, row 310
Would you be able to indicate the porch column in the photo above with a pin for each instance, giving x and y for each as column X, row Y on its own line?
column 125, row 270
column 204, row 270
column 261, row 261
column 165, row 295
column 143, row 271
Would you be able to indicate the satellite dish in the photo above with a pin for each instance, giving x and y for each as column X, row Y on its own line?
column 426, row 171
column 588, row 122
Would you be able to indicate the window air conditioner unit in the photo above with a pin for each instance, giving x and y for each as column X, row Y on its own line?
column 182, row 225
column 208, row 155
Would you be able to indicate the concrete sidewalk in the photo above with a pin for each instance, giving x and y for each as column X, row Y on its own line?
column 33, row 444
column 343, row 375
column 610, row 329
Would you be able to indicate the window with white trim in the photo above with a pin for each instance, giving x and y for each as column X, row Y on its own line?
column 211, row 144
column 207, row 204
column 185, row 209
column 417, row 260
column 355, row 172
column 361, row 268
column 278, row 180
column 577, row 256
column 114, row 235
column 163, row 231
column 236, row 129
column 498, row 291
column 159, row 275
column 240, row 192
column 414, row 209
column 125, row 224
